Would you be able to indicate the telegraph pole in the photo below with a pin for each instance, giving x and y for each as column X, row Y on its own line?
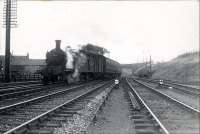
column 10, row 16
column 150, row 64
column 7, row 49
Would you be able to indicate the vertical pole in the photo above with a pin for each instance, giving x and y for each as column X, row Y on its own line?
column 146, row 63
column 7, row 50
column 150, row 63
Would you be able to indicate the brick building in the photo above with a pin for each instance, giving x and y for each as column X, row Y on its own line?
column 22, row 64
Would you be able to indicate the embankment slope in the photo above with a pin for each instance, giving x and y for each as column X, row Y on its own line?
column 184, row 69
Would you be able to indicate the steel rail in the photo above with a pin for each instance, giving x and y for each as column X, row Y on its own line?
column 176, row 87
column 149, row 110
column 27, row 124
column 184, row 86
column 18, row 83
column 38, row 98
column 23, row 90
column 173, row 83
column 184, row 90
column 170, row 98
column 16, row 87
column 18, row 90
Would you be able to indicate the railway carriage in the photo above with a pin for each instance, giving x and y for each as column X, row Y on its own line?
column 112, row 68
column 94, row 66
column 98, row 67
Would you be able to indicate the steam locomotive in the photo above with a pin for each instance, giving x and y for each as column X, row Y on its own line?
column 71, row 66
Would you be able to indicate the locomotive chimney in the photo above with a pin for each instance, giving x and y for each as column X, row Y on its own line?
column 58, row 44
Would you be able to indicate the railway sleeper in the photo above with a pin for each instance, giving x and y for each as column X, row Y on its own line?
column 63, row 115
column 72, row 108
column 32, row 110
column 23, row 114
column 43, row 131
column 139, row 121
column 68, row 112
column 10, row 123
column 39, row 105
column 144, row 125
column 146, row 131
column 15, row 117
column 138, row 116
column 61, row 112
column 58, row 119
column 49, row 125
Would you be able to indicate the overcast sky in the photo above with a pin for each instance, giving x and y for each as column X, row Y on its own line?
column 130, row 30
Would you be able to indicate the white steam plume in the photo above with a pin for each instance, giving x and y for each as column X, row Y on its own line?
column 79, row 60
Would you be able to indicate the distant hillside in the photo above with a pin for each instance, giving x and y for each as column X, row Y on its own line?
column 184, row 69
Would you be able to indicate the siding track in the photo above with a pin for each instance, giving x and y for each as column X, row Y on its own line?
column 177, row 117
column 181, row 87
column 191, row 100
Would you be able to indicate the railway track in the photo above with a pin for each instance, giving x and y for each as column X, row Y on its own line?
column 13, row 116
column 15, row 92
column 15, row 95
column 177, row 117
column 17, row 84
column 144, row 120
column 185, row 97
column 183, row 85
column 183, row 88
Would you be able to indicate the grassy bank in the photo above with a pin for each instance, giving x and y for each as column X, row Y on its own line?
column 183, row 69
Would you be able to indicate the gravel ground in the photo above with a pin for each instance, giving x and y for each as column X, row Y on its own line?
column 79, row 122
column 189, row 99
column 114, row 118
column 176, row 119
